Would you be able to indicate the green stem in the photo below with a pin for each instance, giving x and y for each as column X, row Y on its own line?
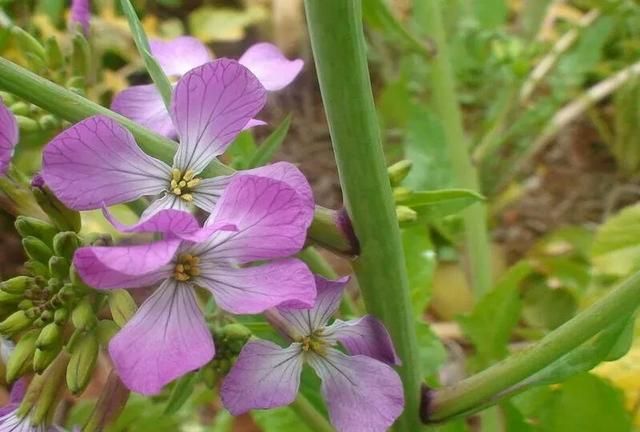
column 335, row 29
column 112, row 401
column 444, row 97
column 74, row 108
column 493, row 383
column 311, row 416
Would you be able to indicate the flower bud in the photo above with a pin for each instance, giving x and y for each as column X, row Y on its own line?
column 20, row 108
column 406, row 214
column 25, row 305
column 29, row 226
column 62, row 217
column 122, row 306
column 37, row 269
column 236, row 336
column 27, row 124
column 58, row 268
column 81, row 56
column 82, row 363
column 83, row 316
column 77, row 285
column 49, row 122
column 27, row 43
column 22, row 356
column 36, row 249
column 60, row 316
column 14, row 323
column 65, row 244
column 399, row 171
column 50, row 336
column 105, row 330
column 17, row 285
column 401, row 194
column 7, row 98
column 6, row 298
column 43, row 358
column 55, row 58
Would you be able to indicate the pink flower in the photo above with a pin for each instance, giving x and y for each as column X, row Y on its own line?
column 80, row 14
column 144, row 104
column 256, row 219
column 9, row 135
column 362, row 391
column 97, row 162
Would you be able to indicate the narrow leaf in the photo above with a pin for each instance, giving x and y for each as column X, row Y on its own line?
column 182, row 389
column 270, row 145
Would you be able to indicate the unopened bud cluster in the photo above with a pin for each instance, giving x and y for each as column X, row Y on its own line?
column 228, row 341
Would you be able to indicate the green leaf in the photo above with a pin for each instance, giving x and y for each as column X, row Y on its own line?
column 490, row 324
column 279, row 420
column 616, row 247
column 491, row 14
column 160, row 80
column 420, row 259
column 437, row 204
column 546, row 307
column 270, row 145
column 241, row 150
column 182, row 390
column 432, row 352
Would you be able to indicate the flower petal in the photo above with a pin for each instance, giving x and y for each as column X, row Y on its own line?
column 271, row 67
column 108, row 267
column 329, row 295
column 271, row 217
column 364, row 336
column 209, row 191
column 80, row 14
column 97, row 162
column 264, row 376
column 362, row 394
column 165, row 339
column 168, row 201
column 178, row 56
column 249, row 290
column 288, row 173
column 143, row 104
column 9, row 134
column 211, row 104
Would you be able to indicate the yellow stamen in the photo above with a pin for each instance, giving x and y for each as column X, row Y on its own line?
column 182, row 184
column 186, row 267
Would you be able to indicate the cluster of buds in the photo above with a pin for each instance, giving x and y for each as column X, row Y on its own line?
column 229, row 341
column 397, row 173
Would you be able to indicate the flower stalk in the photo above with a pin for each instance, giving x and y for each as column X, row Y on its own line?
column 335, row 28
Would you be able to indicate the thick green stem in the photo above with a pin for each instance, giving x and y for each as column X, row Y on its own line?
column 311, row 416
column 335, row 28
column 444, row 97
column 490, row 385
column 326, row 229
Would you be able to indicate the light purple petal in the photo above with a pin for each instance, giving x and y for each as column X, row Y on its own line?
column 80, row 14
column 9, row 134
column 211, row 104
column 271, row 218
column 144, row 105
column 97, row 162
column 271, row 67
column 209, row 191
column 165, row 339
column 306, row 321
column 108, row 267
column 288, row 173
column 253, row 123
column 168, row 201
column 264, row 376
column 362, row 394
column 365, row 336
column 178, row 56
column 249, row 290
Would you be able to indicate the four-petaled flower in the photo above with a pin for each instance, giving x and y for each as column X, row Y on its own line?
column 9, row 135
column 176, row 57
column 256, row 219
column 362, row 391
column 97, row 162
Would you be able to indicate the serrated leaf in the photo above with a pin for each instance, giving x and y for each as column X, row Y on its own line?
column 616, row 247
column 270, row 145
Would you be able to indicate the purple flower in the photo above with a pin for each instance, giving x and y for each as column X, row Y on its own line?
column 80, row 14
column 9, row 135
column 256, row 219
column 362, row 391
column 97, row 162
column 144, row 104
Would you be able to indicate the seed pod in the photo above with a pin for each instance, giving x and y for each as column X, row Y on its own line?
column 29, row 226
column 122, row 306
column 43, row 358
column 37, row 250
column 59, row 267
column 82, row 363
column 14, row 323
column 105, row 330
column 49, row 337
column 399, row 171
column 17, row 285
column 62, row 217
column 65, row 244
column 21, row 358
column 83, row 316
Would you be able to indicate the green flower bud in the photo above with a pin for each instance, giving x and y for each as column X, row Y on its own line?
column 50, row 336
column 37, row 269
column 105, row 330
column 401, row 194
column 83, row 316
column 406, row 214
column 14, row 323
column 21, row 358
column 29, row 226
column 236, row 336
column 82, row 363
column 55, row 58
column 46, row 316
column 60, row 316
column 81, row 56
column 43, row 358
column 6, row 298
column 36, row 249
column 62, row 217
column 25, row 305
column 122, row 306
column 65, row 244
column 77, row 283
column 399, row 171
column 27, row 124
column 7, row 98
column 58, row 267
column 17, row 285
column 49, row 122
column 210, row 377
column 28, row 43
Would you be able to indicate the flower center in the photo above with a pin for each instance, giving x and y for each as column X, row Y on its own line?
column 314, row 344
column 182, row 183
column 186, row 267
